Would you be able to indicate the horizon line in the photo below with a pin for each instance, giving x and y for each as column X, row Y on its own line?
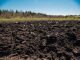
column 41, row 12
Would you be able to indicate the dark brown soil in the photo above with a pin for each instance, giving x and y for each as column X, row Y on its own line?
column 41, row 40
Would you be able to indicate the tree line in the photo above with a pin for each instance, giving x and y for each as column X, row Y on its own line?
column 20, row 14
column 14, row 14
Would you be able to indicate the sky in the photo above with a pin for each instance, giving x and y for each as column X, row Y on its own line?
column 50, row 7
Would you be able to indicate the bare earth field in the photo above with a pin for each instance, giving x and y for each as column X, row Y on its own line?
column 40, row 40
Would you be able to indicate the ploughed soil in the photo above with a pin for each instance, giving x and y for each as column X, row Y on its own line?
column 40, row 40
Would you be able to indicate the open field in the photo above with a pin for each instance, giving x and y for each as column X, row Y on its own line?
column 35, row 19
column 40, row 40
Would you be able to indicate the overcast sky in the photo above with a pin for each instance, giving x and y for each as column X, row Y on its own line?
column 52, row 7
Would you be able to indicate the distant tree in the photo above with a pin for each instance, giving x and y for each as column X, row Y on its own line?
column 0, row 12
